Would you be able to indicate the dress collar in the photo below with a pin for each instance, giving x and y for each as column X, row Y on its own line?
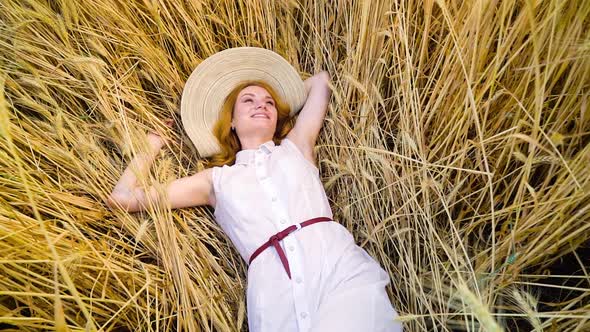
column 246, row 157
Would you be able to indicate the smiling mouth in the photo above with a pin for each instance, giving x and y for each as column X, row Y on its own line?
column 260, row 116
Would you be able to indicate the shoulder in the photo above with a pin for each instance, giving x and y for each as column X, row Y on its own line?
column 300, row 145
column 215, row 177
column 218, row 173
column 206, row 174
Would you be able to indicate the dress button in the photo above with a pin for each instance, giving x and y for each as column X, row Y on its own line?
column 274, row 199
column 291, row 248
column 259, row 163
column 283, row 221
column 298, row 280
column 304, row 315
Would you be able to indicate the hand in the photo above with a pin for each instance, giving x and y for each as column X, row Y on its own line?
column 155, row 139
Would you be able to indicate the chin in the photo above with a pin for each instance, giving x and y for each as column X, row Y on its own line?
column 268, row 126
column 262, row 129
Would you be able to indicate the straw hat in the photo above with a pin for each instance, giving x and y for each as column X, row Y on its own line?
column 213, row 80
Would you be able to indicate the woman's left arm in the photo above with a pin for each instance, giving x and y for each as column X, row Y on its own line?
column 311, row 117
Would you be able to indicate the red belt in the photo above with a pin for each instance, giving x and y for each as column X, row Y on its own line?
column 274, row 241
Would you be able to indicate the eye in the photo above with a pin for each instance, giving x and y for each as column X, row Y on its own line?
column 270, row 103
column 247, row 100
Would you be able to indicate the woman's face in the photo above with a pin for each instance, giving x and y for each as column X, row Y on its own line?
column 255, row 112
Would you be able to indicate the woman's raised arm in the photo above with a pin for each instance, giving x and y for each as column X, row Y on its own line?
column 188, row 191
column 311, row 117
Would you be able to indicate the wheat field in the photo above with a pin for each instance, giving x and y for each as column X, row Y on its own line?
column 455, row 149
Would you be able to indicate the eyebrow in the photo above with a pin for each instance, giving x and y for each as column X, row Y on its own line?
column 251, row 94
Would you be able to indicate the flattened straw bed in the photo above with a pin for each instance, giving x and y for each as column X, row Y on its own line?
column 455, row 149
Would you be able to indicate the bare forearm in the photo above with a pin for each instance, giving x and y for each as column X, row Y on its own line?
column 138, row 167
column 318, row 81
column 127, row 193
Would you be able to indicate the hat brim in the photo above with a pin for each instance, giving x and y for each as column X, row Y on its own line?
column 214, row 79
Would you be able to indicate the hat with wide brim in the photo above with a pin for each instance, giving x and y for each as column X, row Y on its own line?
column 214, row 79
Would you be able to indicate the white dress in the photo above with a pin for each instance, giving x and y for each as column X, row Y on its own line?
column 335, row 285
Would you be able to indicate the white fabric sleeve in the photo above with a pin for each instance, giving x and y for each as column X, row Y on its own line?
column 294, row 149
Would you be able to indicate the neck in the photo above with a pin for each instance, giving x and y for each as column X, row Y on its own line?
column 252, row 143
